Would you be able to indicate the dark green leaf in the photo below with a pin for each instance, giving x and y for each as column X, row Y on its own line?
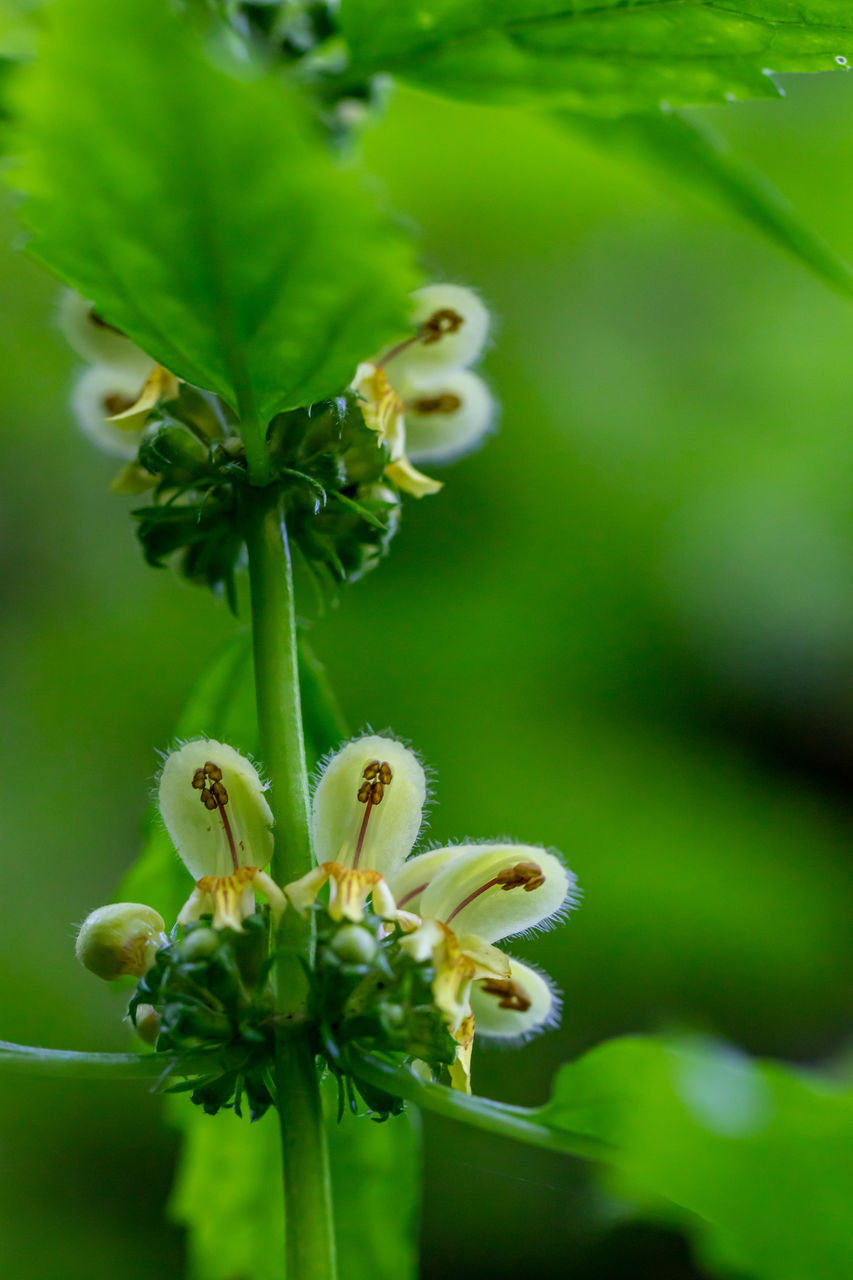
column 693, row 155
column 196, row 203
column 603, row 56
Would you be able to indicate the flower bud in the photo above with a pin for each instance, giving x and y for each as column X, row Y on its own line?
column 452, row 324
column 120, row 938
column 146, row 1022
column 354, row 944
column 199, row 944
column 98, row 342
column 172, row 451
column 99, row 395
column 446, row 416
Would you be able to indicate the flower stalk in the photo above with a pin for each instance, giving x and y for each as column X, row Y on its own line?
column 309, row 1228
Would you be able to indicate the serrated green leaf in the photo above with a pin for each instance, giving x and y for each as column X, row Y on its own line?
column 196, row 203
column 603, row 56
column 694, row 156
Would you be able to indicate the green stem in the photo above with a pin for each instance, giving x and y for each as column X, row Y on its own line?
column 309, row 1231
column 522, row 1124
column 29, row 1059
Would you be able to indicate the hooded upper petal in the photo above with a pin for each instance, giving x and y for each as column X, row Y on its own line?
column 515, row 1005
column 452, row 325
column 496, row 890
column 369, row 804
column 212, row 801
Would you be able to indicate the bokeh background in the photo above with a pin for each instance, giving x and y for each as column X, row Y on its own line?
column 624, row 628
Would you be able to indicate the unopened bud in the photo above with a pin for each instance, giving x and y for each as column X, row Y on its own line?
column 146, row 1021
column 354, row 944
column 120, row 938
column 199, row 944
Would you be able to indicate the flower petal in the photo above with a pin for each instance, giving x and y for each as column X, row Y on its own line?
column 447, row 416
column 408, row 882
column 100, row 394
column 213, row 839
column 368, row 805
column 452, row 324
column 98, row 342
column 517, row 1006
column 408, row 479
column 497, row 890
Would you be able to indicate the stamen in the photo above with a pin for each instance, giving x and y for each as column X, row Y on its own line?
column 440, row 322
column 444, row 402
column 115, row 404
column 524, row 875
column 413, row 893
column 377, row 776
column 510, row 995
column 213, row 797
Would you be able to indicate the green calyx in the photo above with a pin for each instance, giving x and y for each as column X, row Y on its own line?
column 326, row 463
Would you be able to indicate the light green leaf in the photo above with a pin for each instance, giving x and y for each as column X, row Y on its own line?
column 229, row 1194
column 751, row 1157
column 758, row 1154
column 376, row 1172
column 603, row 56
column 196, row 203
column 693, row 155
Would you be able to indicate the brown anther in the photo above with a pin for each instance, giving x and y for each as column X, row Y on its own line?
column 213, row 771
column 385, row 773
column 440, row 322
column 371, row 770
column 114, row 404
column 199, row 779
column 209, row 800
column 446, row 402
column 377, row 791
column 220, row 795
column 364, row 792
column 526, row 875
column 508, row 994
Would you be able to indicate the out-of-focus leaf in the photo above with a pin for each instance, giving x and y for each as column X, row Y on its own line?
column 602, row 56
column 751, row 1157
column 195, row 202
column 228, row 1194
column 759, row 1155
column 693, row 155
column 325, row 726
column 376, row 1171
column 221, row 706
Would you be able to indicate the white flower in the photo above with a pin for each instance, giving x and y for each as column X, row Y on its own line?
column 419, row 395
column 455, row 902
column 212, row 801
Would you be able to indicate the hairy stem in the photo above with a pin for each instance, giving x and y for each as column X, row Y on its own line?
column 307, row 1186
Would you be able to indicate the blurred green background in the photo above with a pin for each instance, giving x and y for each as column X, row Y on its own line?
column 624, row 629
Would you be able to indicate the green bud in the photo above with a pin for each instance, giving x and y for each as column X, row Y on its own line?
column 120, row 938
column 173, row 451
column 146, row 1020
column 354, row 944
column 199, row 944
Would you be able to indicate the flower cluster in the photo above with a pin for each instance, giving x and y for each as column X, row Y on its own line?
column 420, row 395
column 427, row 943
